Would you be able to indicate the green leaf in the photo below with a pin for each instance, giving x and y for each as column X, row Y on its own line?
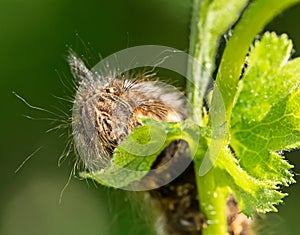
column 251, row 193
column 133, row 159
column 268, row 78
column 256, row 16
column 264, row 122
column 264, row 119
column 253, row 20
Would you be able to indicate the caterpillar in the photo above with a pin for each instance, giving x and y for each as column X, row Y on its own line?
column 108, row 108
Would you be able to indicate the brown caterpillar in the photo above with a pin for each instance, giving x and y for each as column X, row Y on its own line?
column 107, row 109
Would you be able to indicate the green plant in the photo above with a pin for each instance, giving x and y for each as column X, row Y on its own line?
column 253, row 115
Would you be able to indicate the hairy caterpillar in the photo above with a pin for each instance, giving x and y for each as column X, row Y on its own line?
column 107, row 109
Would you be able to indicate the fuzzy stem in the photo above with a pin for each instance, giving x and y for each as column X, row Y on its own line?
column 199, row 75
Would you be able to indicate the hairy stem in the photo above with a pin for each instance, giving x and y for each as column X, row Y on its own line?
column 199, row 76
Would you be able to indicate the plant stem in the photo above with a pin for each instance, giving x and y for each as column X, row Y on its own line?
column 204, row 41
column 213, row 203
column 212, row 195
column 199, row 76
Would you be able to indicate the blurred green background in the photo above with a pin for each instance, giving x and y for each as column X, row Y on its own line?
column 33, row 45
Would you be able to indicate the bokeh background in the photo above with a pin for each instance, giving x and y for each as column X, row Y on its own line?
column 34, row 39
